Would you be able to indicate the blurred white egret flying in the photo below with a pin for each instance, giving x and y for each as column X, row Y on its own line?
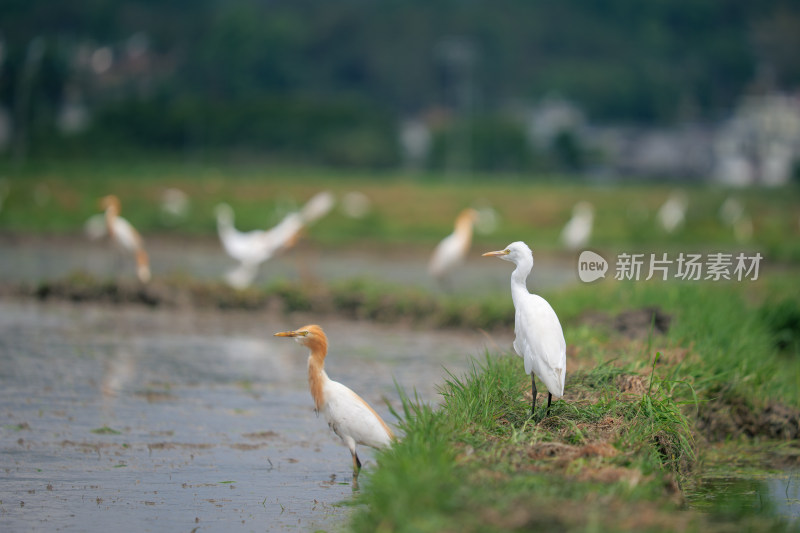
column 539, row 337
column 251, row 248
column 125, row 236
column 347, row 414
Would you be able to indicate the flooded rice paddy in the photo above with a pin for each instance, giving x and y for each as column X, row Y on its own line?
column 174, row 421
column 201, row 420
column 32, row 260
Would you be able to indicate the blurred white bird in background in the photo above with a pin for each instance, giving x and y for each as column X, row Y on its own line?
column 251, row 248
column 733, row 215
column 125, row 236
column 347, row 414
column 453, row 249
column 539, row 337
column 356, row 204
column 95, row 226
column 672, row 213
column 578, row 229
column 317, row 207
column 174, row 206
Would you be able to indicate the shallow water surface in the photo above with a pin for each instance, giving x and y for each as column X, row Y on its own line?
column 164, row 421
column 36, row 259
column 772, row 495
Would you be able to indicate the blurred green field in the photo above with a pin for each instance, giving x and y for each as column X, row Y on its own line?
column 56, row 197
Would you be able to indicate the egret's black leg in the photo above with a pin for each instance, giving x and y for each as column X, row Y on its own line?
column 549, row 399
column 356, row 464
column 533, row 394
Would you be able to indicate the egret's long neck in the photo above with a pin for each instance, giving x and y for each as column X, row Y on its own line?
column 519, row 277
column 463, row 226
column 224, row 224
column 316, row 374
column 111, row 214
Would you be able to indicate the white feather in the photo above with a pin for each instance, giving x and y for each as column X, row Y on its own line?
column 351, row 419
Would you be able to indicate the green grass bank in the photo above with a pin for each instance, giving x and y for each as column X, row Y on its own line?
column 644, row 419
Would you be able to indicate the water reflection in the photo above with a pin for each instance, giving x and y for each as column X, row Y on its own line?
column 775, row 495
column 172, row 421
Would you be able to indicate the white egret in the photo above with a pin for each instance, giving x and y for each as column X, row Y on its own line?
column 347, row 414
column 733, row 214
column 453, row 248
column 356, row 204
column 539, row 338
column 125, row 235
column 174, row 205
column 672, row 213
column 251, row 248
column 577, row 231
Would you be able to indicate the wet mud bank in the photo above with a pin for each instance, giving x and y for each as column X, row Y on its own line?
column 354, row 299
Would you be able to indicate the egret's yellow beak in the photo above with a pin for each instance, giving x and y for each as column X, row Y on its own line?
column 292, row 333
column 498, row 253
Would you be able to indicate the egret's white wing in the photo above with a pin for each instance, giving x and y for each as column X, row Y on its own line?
column 244, row 246
column 449, row 252
column 350, row 416
column 281, row 236
column 540, row 342
column 125, row 235
column 317, row 207
column 241, row 245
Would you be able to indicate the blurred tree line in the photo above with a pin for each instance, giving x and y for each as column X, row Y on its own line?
column 329, row 81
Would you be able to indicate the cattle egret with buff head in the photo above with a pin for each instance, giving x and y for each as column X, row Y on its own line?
column 347, row 414
column 125, row 235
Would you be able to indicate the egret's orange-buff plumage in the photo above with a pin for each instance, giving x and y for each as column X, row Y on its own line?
column 125, row 235
column 347, row 414
column 453, row 248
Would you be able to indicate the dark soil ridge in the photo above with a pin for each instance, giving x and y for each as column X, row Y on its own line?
column 355, row 299
column 633, row 324
column 725, row 418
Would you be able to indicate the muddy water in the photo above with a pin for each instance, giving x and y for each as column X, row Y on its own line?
column 163, row 421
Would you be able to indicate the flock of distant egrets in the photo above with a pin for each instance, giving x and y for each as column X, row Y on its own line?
column 539, row 338
column 250, row 249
